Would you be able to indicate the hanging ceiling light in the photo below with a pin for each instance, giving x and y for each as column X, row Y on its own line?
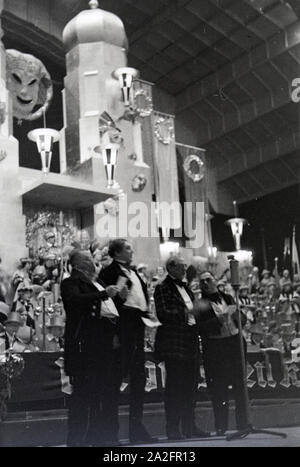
column 126, row 75
column 44, row 139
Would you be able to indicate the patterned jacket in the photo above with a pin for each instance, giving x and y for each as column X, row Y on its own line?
column 175, row 338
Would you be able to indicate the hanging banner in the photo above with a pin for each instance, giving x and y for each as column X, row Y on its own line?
column 192, row 181
column 166, row 173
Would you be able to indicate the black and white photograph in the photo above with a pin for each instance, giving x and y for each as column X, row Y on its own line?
column 150, row 226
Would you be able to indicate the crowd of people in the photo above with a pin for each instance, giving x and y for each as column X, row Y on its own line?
column 107, row 312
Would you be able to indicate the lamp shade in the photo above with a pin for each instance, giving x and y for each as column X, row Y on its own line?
column 126, row 75
column 237, row 226
column 110, row 155
column 212, row 251
column 44, row 139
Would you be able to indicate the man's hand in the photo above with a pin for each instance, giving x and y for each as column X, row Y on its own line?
column 112, row 291
column 123, row 293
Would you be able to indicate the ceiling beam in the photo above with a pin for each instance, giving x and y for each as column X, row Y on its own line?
column 267, row 51
column 259, row 194
column 165, row 14
column 270, row 151
column 34, row 38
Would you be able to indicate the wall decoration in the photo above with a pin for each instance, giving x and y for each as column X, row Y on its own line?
column 142, row 103
column 138, row 183
column 195, row 176
column 132, row 157
column 109, row 132
column 40, row 223
column 111, row 206
column 29, row 83
column 164, row 130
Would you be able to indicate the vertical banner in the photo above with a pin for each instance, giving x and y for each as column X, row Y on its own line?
column 165, row 173
column 193, row 193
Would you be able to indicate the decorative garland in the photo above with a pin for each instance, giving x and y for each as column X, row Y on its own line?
column 195, row 176
column 148, row 108
column 161, row 126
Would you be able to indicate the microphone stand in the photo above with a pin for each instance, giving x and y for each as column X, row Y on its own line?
column 249, row 429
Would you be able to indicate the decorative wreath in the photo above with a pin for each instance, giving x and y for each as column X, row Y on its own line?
column 142, row 97
column 195, row 176
column 164, row 130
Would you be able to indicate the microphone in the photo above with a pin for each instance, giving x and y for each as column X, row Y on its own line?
column 234, row 272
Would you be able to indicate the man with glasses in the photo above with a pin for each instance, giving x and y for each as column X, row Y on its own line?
column 177, row 344
column 221, row 352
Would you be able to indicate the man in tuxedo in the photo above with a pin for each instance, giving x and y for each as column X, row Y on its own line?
column 90, row 333
column 177, row 344
column 132, row 307
column 221, row 352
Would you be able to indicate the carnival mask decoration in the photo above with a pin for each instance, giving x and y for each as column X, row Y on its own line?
column 29, row 83
column 138, row 183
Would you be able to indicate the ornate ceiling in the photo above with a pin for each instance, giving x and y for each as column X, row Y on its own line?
column 227, row 66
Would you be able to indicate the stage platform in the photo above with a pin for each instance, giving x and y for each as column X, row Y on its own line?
column 48, row 427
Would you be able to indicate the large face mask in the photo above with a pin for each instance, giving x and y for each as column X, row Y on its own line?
column 29, row 83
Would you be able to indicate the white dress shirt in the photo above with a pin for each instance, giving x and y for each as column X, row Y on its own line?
column 108, row 308
column 136, row 297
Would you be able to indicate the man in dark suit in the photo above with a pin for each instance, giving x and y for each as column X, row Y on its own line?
column 177, row 344
column 89, row 355
column 132, row 307
column 221, row 352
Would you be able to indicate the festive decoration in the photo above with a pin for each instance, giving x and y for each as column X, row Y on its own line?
column 195, row 176
column 141, row 105
column 12, row 364
column 111, row 206
column 29, row 83
column 108, row 132
column 126, row 76
column 44, row 139
column 164, row 130
column 138, row 183
column 38, row 225
column 142, row 102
